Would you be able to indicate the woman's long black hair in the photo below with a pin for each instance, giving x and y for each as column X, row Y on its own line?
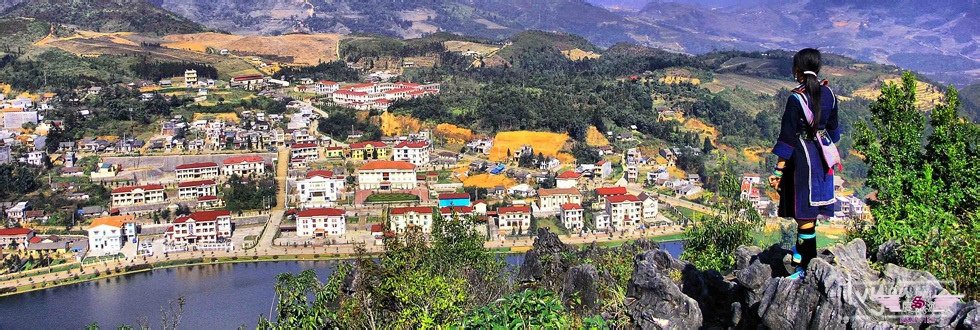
column 809, row 59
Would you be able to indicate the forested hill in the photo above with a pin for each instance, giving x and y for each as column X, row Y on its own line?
column 106, row 15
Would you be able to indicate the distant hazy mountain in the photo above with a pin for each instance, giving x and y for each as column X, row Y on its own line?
column 103, row 15
column 937, row 37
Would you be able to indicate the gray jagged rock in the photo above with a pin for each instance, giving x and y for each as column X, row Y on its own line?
column 580, row 290
column 841, row 289
column 654, row 301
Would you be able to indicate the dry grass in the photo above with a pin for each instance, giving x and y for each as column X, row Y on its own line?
column 673, row 80
column 487, row 180
column 393, row 125
column 463, row 46
column 303, row 49
column 229, row 116
column 754, row 154
column 576, row 54
column 546, row 143
column 595, row 138
column 756, row 85
column 453, row 134
column 926, row 95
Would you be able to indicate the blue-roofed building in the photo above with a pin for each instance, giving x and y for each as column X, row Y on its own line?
column 454, row 200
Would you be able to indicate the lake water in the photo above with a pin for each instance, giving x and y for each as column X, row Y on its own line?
column 217, row 296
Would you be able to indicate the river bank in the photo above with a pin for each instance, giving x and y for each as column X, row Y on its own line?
column 219, row 294
column 81, row 273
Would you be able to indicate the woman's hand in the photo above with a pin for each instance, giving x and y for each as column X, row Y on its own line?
column 774, row 182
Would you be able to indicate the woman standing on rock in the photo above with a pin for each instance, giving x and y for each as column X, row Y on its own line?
column 804, row 172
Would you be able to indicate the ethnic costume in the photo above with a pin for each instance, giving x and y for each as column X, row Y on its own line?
column 806, row 190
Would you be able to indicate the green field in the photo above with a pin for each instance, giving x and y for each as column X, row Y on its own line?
column 391, row 198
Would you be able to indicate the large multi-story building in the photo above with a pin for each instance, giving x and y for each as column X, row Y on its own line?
column 201, row 227
column 551, row 200
column 243, row 165
column 366, row 96
column 107, row 235
column 651, row 206
column 320, row 222
column 197, row 171
column 324, row 87
column 131, row 195
column 386, row 175
column 306, row 151
column 415, row 152
column 368, row 150
column 400, row 218
column 511, row 218
column 320, row 189
column 624, row 211
column 603, row 192
column 190, row 77
column 194, row 189
column 572, row 217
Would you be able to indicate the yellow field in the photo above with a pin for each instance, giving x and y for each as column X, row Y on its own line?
column 487, row 180
column 546, row 143
column 228, row 116
column 926, row 95
column 576, row 54
column 671, row 80
column 594, row 138
column 753, row 154
column 696, row 125
column 392, row 125
column 4, row 88
column 303, row 49
column 464, row 46
column 453, row 134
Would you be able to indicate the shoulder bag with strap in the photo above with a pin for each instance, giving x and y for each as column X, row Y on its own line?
column 831, row 156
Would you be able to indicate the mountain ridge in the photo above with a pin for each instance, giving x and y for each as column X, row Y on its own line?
column 104, row 15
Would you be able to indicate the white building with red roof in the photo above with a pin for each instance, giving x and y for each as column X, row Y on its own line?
column 624, row 211
column 567, row 179
column 197, row 171
column 195, row 189
column 320, row 188
column 511, row 218
column 201, row 227
column 131, row 195
column 15, row 236
column 366, row 96
column 324, row 87
column 400, row 218
column 415, row 152
column 603, row 192
column 208, row 202
column 386, row 175
column 249, row 82
column 243, row 165
column 451, row 213
column 551, row 200
column 321, row 222
column 572, row 217
column 308, row 151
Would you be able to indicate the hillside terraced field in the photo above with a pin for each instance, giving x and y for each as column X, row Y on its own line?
column 301, row 49
column 757, row 85
column 87, row 43
column 464, row 46
column 547, row 143
column 926, row 95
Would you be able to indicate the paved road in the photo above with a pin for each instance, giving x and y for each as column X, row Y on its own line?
column 635, row 189
column 277, row 213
